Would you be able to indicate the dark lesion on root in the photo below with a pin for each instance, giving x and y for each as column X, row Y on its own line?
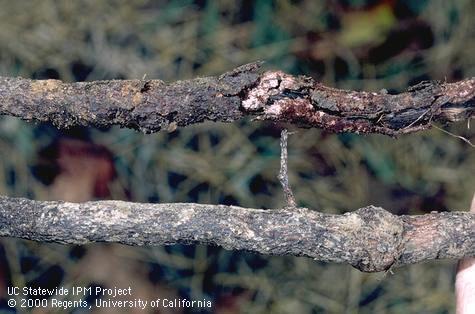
column 147, row 85
column 307, row 103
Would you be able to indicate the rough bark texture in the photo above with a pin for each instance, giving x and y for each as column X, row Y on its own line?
column 151, row 105
column 371, row 239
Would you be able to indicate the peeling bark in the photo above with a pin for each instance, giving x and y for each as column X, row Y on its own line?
column 152, row 105
column 370, row 239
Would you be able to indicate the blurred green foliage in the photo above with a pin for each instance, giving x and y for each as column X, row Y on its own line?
column 348, row 44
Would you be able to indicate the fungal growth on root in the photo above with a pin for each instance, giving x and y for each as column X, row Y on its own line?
column 153, row 105
column 282, row 97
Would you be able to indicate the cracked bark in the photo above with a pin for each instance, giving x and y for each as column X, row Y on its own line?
column 152, row 105
column 370, row 239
